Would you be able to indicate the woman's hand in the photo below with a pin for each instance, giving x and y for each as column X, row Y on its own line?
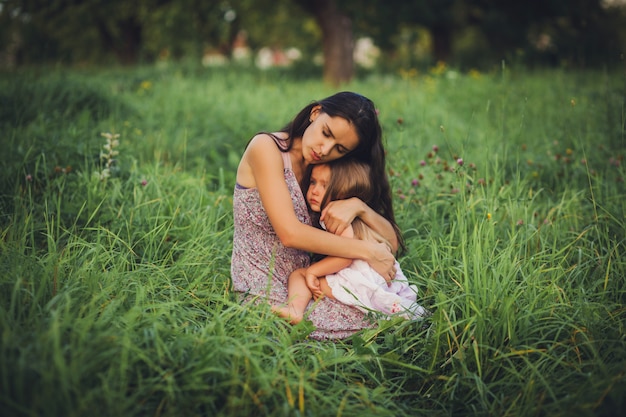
column 338, row 214
column 383, row 261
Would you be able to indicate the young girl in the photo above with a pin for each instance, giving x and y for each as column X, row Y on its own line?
column 272, row 227
column 352, row 282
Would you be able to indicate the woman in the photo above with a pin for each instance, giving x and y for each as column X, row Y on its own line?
column 273, row 235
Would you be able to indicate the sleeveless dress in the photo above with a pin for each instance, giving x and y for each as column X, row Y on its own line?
column 361, row 286
column 260, row 264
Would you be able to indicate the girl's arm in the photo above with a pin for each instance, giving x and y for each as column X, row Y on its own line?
column 262, row 160
column 320, row 269
column 326, row 266
column 339, row 214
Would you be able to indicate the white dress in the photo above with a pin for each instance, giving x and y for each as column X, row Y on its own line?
column 361, row 286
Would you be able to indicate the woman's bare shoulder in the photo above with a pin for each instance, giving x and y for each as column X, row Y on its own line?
column 262, row 158
column 265, row 139
column 262, row 147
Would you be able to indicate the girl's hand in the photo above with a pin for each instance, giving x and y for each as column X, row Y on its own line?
column 313, row 282
column 338, row 214
column 383, row 261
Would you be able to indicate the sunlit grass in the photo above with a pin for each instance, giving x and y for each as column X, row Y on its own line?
column 115, row 290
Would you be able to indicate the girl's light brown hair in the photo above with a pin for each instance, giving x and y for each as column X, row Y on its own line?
column 352, row 178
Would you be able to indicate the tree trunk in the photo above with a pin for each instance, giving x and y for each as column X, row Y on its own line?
column 442, row 42
column 125, row 47
column 338, row 45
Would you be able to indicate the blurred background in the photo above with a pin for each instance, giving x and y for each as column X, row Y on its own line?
column 334, row 39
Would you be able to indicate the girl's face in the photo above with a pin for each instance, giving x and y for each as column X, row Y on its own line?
column 320, row 178
column 327, row 138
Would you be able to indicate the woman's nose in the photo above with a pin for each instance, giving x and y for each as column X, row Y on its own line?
column 326, row 147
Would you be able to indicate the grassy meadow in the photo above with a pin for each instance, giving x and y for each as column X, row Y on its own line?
column 115, row 293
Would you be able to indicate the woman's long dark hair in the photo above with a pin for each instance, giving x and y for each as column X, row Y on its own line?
column 361, row 113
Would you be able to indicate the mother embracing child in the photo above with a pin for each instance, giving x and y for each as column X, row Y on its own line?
column 273, row 235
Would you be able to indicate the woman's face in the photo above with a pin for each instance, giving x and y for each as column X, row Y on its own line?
column 320, row 178
column 327, row 138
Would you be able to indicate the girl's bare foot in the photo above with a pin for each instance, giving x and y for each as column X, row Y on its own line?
column 287, row 313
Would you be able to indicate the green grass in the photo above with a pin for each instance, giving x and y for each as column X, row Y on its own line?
column 116, row 296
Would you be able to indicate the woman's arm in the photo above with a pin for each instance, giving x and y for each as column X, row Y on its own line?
column 339, row 214
column 332, row 264
column 263, row 161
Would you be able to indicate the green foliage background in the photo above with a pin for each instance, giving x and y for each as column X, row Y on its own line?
column 465, row 33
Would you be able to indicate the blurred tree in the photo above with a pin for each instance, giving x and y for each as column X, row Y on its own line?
column 338, row 44
column 542, row 31
column 190, row 28
column 277, row 24
column 83, row 29
column 577, row 32
column 383, row 20
column 91, row 30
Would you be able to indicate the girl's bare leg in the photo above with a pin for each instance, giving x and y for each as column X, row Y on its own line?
column 298, row 298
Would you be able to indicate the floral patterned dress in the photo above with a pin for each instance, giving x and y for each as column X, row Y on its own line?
column 260, row 264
